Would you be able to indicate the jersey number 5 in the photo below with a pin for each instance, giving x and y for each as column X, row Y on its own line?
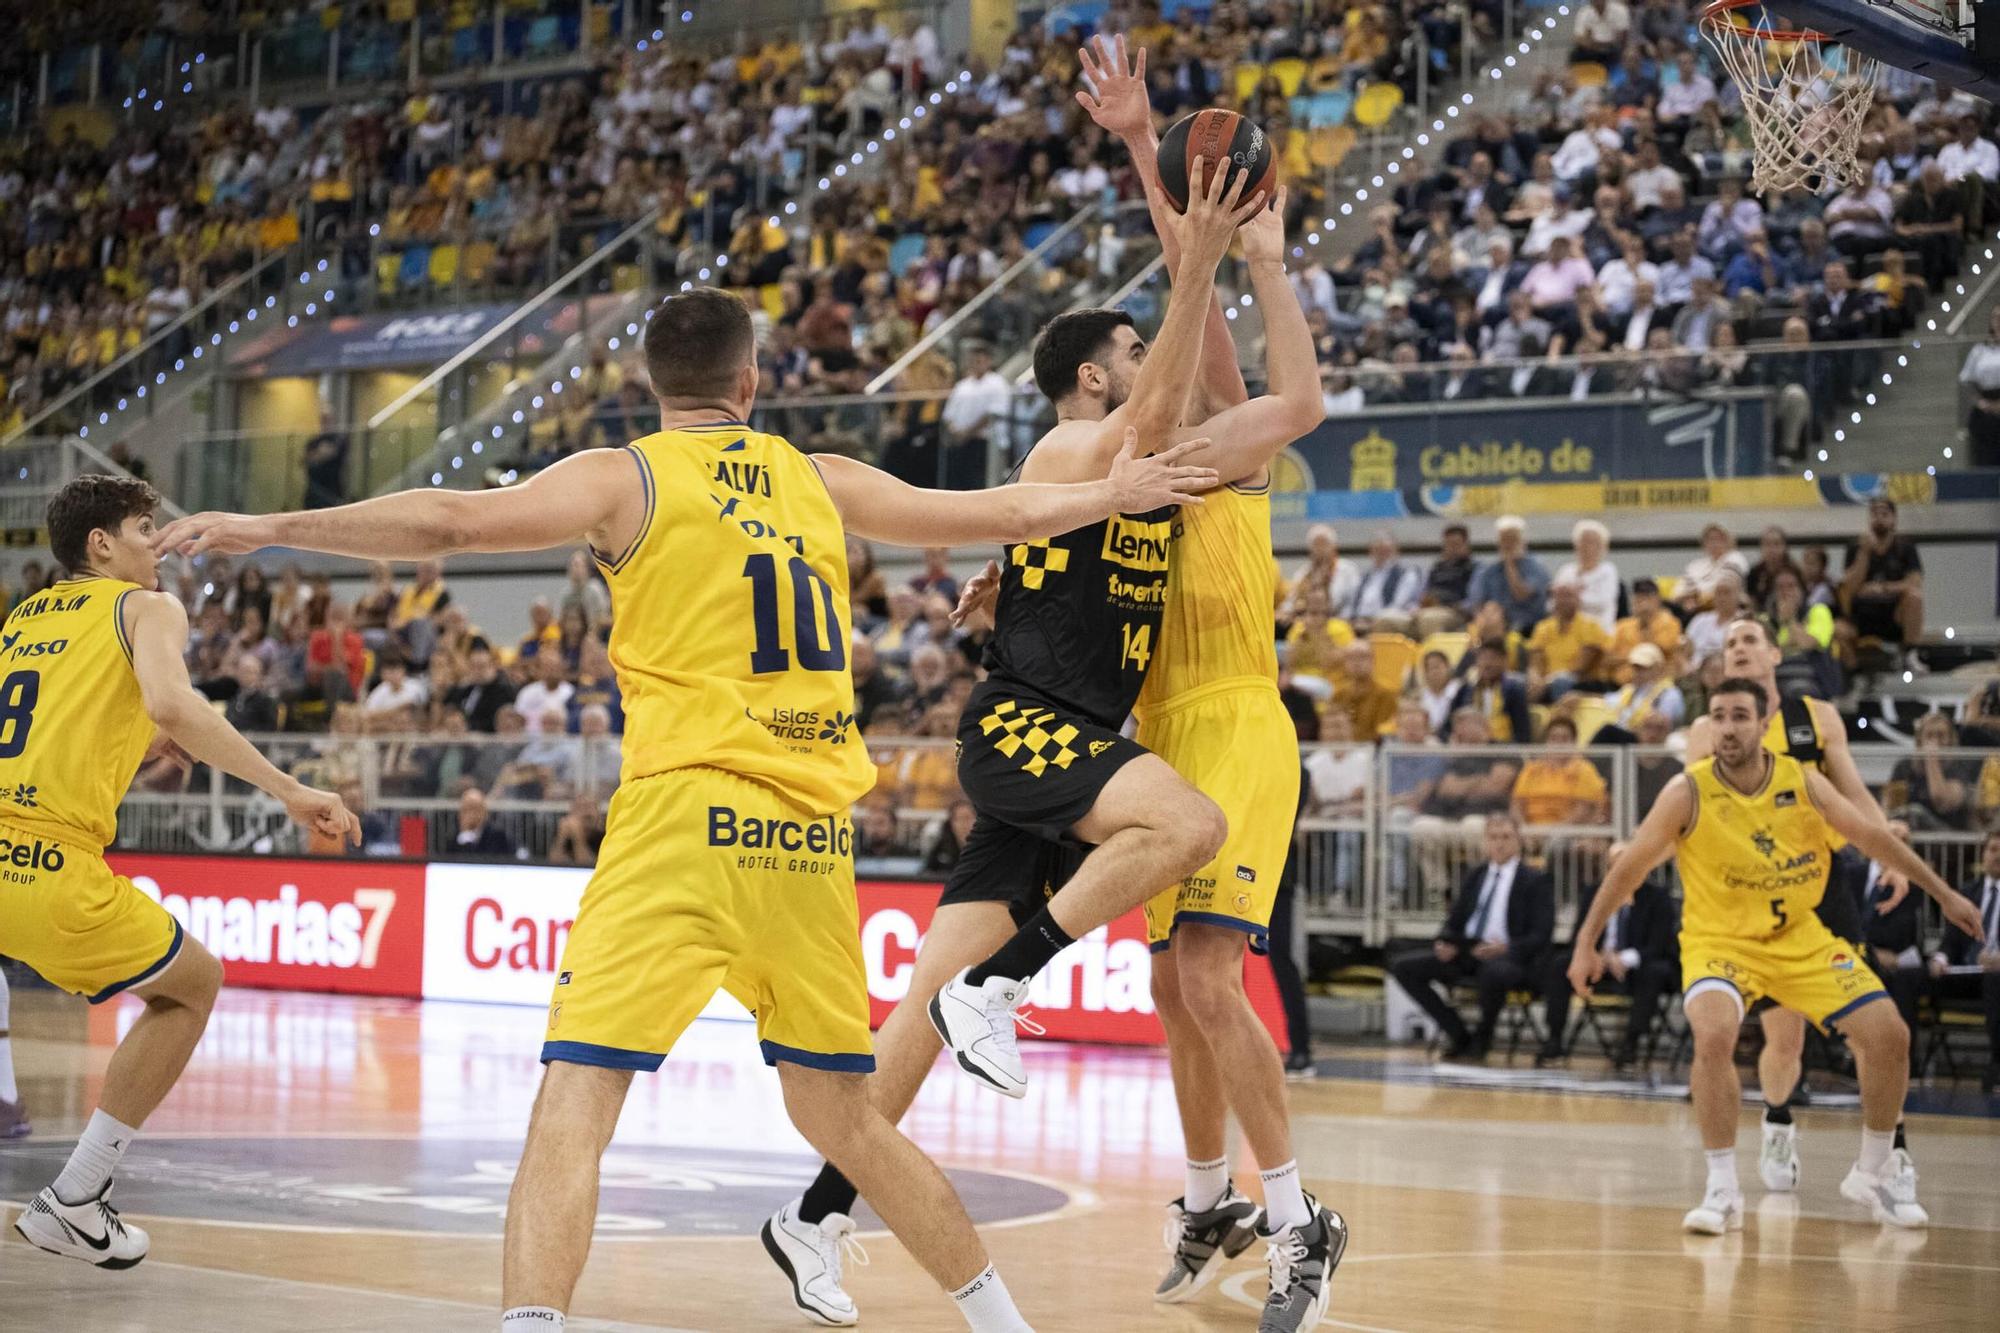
column 1778, row 911
column 18, row 694
column 809, row 591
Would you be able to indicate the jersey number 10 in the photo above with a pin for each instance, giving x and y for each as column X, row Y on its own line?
column 809, row 590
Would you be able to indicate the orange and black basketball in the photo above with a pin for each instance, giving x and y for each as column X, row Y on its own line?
column 1216, row 136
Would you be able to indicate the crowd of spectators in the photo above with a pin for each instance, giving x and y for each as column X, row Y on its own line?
column 1594, row 236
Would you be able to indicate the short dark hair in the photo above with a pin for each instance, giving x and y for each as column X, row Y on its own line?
column 89, row 503
column 1067, row 342
column 1763, row 625
column 1646, row 586
column 1561, row 721
column 696, row 344
column 1884, row 501
column 1498, row 646
column 1743, row 685
column 1458, row 528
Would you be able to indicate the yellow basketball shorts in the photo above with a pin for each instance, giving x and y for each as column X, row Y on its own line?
column 1805, row 967
column 1234, row 741
column 709, row 880
column 65, row 914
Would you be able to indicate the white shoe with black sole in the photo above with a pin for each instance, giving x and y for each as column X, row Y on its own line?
column 812, row 1257
column 91, row 1231
column 977, row 1025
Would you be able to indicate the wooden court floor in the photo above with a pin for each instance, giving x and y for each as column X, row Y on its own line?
column 339, row 1164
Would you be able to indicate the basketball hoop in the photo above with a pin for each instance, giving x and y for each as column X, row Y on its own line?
column 1805, row 95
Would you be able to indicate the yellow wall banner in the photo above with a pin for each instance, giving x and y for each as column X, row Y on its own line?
column 1562, row 497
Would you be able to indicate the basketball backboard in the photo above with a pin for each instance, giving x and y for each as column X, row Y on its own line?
column 1934, row 38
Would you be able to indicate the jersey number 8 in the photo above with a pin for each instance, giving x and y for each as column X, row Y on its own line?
column 18, row 695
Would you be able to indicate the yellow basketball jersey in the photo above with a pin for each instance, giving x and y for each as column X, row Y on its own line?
column 728, row 630
column 1219, row 623
column 1753, row 863
column 73, row 725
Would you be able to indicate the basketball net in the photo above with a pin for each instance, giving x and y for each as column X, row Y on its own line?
column 1804, row 95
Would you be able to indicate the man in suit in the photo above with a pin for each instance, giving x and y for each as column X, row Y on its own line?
column 1959, row 950
column 477, row 834
column 1495, row 938
column 1641, row 949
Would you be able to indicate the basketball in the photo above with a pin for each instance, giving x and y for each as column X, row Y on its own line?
column 1215, row 135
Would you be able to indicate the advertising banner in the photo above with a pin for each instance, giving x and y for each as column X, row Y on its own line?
column 1099, row 989
column 494, row 933
column 1443, row 447
column 351, row 926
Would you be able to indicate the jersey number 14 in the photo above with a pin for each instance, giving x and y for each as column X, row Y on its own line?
column 1138, row 645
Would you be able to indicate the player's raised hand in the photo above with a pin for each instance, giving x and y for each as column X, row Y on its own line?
column 1960, row 912
column 212, row 533
column 977, row 600
column 1214, row 212
column 323, row 813
column 1263, row 236
column 1116, row 98
column 1139, row 484
column 1585, row 967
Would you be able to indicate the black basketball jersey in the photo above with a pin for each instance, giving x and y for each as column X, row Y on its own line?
column 1079, row 614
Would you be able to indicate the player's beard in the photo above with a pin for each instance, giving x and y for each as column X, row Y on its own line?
column 1116, row 391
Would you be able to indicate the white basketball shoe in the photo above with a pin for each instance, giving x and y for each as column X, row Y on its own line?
column 91, row 1231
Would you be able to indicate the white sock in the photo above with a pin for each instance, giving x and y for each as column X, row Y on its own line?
column 987, row 1307
column 95, row 1157
column 1284, row 1197
column 8, row 1091
column 532, row 1319
column 1207, row 1182
column 1722, row 1169
column 1875, row 1150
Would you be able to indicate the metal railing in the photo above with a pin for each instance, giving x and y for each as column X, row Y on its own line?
column 1383, row 842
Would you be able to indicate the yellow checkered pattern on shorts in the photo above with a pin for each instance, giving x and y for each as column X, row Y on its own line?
column 1026, row 730
column 1036, row 561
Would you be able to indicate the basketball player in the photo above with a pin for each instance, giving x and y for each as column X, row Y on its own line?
column 1041, row 753
column 1812, row 732
column 1210, row 707
column 14, row 1123
column 89, row 670
column 1754, row 832
column 727, row 858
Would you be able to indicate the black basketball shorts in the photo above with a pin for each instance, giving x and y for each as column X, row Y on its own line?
column 999, row 864
column 1034, row 765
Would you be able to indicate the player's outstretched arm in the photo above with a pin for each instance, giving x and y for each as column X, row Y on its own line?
column 1873, row 837
column 1165, row 382
column 156, row 626
column 1251, row 434
column 1840, row 768
column 877, row 506
column 593, row 495
column 1116, row 99
column 1651, row 845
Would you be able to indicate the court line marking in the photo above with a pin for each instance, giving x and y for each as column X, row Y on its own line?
column 1077, row 1200
column 345, row 1290
column 1236, row 1288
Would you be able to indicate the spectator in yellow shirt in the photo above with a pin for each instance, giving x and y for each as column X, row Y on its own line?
column 1355, row 693
column 1650, row 622
column 1566, row 651
column 1561, row 788
column 1316, row 638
